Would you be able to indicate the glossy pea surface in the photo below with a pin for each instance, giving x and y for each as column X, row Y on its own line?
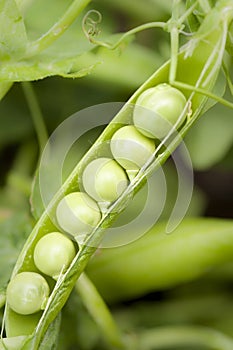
column 54, row 253
column 104, row 179
column 27, row 293
column 130, row 148
column 157, row 109
column 77, row 213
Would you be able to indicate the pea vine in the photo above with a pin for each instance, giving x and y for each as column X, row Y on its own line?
column 197, row 86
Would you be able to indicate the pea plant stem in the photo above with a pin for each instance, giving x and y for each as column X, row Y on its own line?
column 184, row 336
column 203, row 92
column 175, row 9
column 183, row 17
column 174, row 52
column 58, row 28
column 99, row 311
column 36, row 114
column 90, row 30
column 175, row 24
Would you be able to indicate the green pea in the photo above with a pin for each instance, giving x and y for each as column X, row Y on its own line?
column 104, row 179
column 77, row 213
column 157, row 109
column 54, row 253
column 130, row 148
column 27, row 293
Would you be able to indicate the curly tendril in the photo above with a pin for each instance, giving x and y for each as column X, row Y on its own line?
column 91, row 30
column 90, row 24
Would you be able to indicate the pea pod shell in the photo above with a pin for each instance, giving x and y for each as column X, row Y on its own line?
column 158, row 261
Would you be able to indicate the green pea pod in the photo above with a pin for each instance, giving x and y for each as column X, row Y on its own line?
column 192, row 249
column 199, row 63
column 14, row 343
column 25, row 342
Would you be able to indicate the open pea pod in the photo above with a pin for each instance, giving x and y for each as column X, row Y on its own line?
column 13, row 343
column 199, row 63
column 26, row 342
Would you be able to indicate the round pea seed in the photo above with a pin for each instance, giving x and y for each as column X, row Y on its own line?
column 27, row 293
column 104, row 179
column 77, row 213
column 157, row 109
column 53, row 254
column 130, row 148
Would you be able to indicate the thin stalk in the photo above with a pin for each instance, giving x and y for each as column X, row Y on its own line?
column 176, row 23
column 174, row 52
column 203, row 92
column 90, row 28
column 175, row 9
column 36, row 114
column 99, row 311
column 174, row 35
column 187, row 13
column 58, row 28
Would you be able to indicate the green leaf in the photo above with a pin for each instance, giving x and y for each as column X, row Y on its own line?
column 42, row 66
column 13, row 38
column 36, row 22
column 60, row 58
